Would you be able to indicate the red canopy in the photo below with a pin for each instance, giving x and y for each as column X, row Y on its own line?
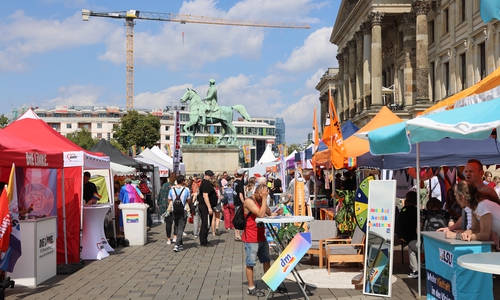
column 26, row 154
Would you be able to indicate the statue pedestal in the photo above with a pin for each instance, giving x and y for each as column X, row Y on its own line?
column 198, row 158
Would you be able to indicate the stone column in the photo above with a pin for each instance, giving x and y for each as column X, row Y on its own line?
column 340, row 84
column 352, row 77
column 376, row 18
column 367, row 80
column 409, row 88
column 347, row 91
column 359, row 71
column 421, row 8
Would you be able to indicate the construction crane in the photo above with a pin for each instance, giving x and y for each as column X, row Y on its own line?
column 131, row 15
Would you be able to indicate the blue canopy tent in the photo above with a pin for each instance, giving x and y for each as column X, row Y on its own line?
column 348, row 129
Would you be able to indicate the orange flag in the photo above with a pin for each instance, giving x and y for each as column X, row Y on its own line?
column 333, row 137
column 6, row 229
column 315, row 132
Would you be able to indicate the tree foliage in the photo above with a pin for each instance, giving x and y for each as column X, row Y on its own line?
column 83, row 138
column 139, row 130
column 293, row 147
column 3, row 121
column 207, row 140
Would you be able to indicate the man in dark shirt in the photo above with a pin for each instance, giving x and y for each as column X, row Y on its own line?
column 276, row 188
column 206, row 192
column 406, row 229
column 240, row 196
column 89, row 188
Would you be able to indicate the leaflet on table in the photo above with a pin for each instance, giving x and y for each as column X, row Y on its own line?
column 287, row 260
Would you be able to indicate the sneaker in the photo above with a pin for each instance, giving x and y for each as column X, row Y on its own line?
column 174, row 240
column 184, row 234
column 176, row 248
column 413, row 274
column 217, row 232
column 181, row 248
column 195, row 236
column 255, row 292
column 169, row 242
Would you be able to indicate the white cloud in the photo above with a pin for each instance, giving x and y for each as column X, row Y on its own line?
column 298, row 118
column 80, row 95
column 23, row 36
column 316, row 52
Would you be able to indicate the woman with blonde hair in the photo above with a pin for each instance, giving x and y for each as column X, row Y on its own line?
column 250, row 187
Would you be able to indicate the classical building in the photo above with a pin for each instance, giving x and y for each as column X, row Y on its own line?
column 407, row 55
column 99, row 121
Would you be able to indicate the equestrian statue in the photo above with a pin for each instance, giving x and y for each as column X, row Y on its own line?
column 206, row 111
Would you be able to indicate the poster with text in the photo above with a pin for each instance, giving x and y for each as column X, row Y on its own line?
column 379, row 244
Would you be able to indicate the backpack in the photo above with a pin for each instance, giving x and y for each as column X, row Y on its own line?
column 239, row 220
column 434, row 221
column 143, row 187
column 177, row 206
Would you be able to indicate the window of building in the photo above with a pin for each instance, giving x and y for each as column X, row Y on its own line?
column 462, row 10
column 99, row 135
column 108, row 136
column 167, row 137
column 71, row 115
column 446, row 79
column 41, row 115
column 463, row 70
column 68, row 125
column 431, row 32
column 446, row 21
column 56, row 115
column 55, row 126
column 99, row 125
column 482, row 60
column 102, row 115
column 87, row 115
column 167, row 128
column 476, row 5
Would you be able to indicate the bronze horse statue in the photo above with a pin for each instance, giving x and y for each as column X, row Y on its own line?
column 224, row 116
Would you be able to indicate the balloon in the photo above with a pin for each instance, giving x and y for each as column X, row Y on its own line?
column 425, row 174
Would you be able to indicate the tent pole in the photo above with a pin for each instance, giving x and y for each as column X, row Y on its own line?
column 81, row 215
column 418, row 221
column 112, row 197
column 63, row 196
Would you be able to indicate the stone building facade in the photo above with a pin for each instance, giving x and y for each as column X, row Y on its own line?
column 407, row 55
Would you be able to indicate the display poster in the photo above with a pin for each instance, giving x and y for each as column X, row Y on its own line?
column 287, row 260
column 46, row 245
column 379, row 238
column 102, row 188
column 37, row 190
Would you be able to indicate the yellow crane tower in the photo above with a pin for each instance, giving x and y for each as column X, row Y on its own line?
column 131, row 15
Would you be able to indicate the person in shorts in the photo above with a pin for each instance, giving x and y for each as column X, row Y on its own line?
column 256, row 245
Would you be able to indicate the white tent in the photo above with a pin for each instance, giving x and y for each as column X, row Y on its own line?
column 122, row 170
column 147, row 153
column 162, row 169
column 164, row 156
column 267, row 156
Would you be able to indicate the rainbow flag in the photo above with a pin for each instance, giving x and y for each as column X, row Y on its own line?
column 133, row 150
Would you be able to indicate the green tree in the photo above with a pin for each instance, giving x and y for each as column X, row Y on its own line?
column 139, row 130
column 3, row 121
column 117, row 145
column 82, row 138
column 293, row 147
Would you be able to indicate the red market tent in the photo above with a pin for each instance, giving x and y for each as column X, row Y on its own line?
column 30, row 128
column 14, row 150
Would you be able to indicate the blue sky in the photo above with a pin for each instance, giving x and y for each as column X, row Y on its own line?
column 50, row 57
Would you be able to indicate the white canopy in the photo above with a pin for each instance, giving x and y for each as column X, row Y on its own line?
column 162, row 169
column 147, row 153
column 122, row 170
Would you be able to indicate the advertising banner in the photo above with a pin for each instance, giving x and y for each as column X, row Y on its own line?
column 287, row 260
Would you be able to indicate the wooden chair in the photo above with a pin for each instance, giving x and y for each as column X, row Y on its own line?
column 346, row 250
column 320, row 231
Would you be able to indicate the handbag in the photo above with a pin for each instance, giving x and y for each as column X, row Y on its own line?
column 190, row 219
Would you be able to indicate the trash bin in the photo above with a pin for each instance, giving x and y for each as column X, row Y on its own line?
column 134, row 222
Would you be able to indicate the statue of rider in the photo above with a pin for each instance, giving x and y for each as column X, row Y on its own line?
column 210, row 101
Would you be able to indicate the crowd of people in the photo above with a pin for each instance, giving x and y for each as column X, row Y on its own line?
column 471, row 211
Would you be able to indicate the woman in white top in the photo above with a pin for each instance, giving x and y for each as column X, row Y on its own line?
column 486, row 214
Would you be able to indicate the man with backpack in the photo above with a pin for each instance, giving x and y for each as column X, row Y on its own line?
column 433, row 216
column 179, row 195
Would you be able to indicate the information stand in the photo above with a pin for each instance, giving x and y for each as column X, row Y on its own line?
column 38, row 245
column 94, row 244
column 445, row 278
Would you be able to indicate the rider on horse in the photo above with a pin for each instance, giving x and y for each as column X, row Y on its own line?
column 211, row 102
